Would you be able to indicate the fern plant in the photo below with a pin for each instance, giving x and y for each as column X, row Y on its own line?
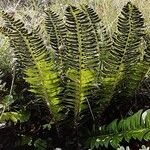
column 107, row 74
column 124, row 69
column 90, row 61
column 133, row 65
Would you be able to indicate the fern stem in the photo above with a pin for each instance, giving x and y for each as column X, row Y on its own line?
column 91, row 114
column 13, row 80
column 90, row 110
column 2, row 112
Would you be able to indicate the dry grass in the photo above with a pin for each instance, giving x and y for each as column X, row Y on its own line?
column 109, row 10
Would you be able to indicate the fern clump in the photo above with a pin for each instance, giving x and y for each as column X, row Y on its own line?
column 85, row 70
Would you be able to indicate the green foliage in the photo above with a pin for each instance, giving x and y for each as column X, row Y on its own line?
column 14, row 117
column 40, row 144
column 147, row 49
column 94, row 20
column 123, row 65
column 77, row 91
column 126, row 48
column 80, row 40
column 81, row 60
column 44, row 82
column 87, row 62
column 107, row 74
column 26, row 140
column 23, row 43
column 136, row 126
column 32, row 55
column 5, row 114
column 56, row 31
column 7, row 101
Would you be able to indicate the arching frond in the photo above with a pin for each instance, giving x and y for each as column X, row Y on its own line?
column 31, row 52
column 130, row 31
column 94, row 20
column 103, row 41
column 23, row 43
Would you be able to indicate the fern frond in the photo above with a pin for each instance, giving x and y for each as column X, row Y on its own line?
column 31, row 51
column 136, row 127
column 44, row 82
column 103, row 40
column 147, row 49
column 94, row 20
column 56, row 30
column 126, row 48
column 21, row 55
column 78, row 90
column 107, row 75
column 81, row 58
column 80, row 40
column 23, row 43
column 130, row 31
